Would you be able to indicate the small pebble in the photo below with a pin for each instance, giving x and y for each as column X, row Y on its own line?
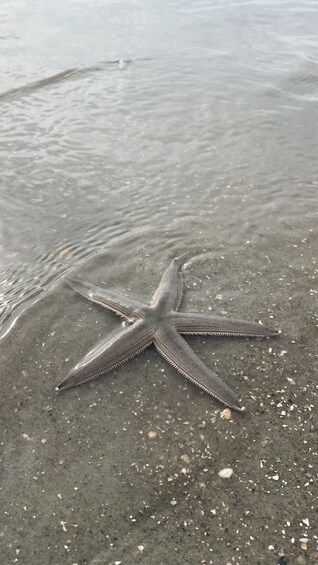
column 225, row 473
column 65, row 252
column 303, row 544
column 226, row 414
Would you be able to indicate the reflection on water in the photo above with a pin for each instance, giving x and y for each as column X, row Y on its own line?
column 169, row 128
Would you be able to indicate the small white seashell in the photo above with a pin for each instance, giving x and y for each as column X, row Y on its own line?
column 305, row 521
column 225, row 473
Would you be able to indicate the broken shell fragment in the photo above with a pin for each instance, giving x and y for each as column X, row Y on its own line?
column 226, row 414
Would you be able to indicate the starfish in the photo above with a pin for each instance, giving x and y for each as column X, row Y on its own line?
column 159, row 323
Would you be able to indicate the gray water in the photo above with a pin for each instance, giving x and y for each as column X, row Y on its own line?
column 163, row 128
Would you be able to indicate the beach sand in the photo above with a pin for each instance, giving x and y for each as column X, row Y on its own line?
column 125, row 469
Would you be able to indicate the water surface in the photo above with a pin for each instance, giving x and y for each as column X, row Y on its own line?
column 170, row 123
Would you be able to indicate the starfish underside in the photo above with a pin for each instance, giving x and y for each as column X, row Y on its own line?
column 159, row 323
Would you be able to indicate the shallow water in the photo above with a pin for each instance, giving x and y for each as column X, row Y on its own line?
column 179, row 124
column 131, row 133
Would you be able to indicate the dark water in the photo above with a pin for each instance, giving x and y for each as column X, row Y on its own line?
column 157, row 128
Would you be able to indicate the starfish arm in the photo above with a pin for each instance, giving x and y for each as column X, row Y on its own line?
column 177, row 352
column 196, row 323
column 169, row 292
column 118, row 303
column 109, row 354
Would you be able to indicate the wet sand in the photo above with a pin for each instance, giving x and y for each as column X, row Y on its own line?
column 124, row 470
